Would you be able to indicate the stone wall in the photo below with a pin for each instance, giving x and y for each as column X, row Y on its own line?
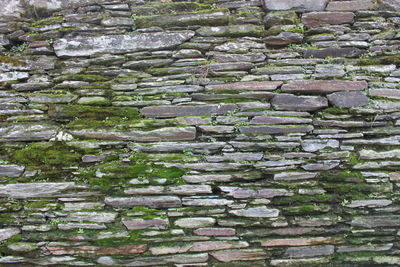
column 207, row 133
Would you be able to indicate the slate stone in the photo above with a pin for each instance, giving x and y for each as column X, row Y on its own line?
column 370, row 203
column 280, row 18
column 251, row 86
column 215, row 231
column 27, row 190
column 309, row 251
column 158, row 135
column 314, row 145
column 13, row 76
column 294, row 242
column 284, row 38
column 154, row 202
column 278, row 120
column 257, row 212
column 7, row 233
column 119, row 44
column 376, row 221
column 298, row 103
column 371, row 154
column 297, row 5
column 355, row 5
column 22, row 247
column 195, row 222
column 292, row 176
column 99, row 217
column 387, row 93
column 249, row 57
column 135, row 224
column 217, row 245
column 348, row 99
column 323, row 87
column 200, row 147
column 240, row 255
column 203, row 202
column 175, row 111
column 234, row 30
column 348, row 52
column 275, row 129
column 73, row 250
column 315, row 19
column 72, row 226
column 11, row 170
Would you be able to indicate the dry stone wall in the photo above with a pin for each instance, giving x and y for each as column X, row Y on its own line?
column 207, row 133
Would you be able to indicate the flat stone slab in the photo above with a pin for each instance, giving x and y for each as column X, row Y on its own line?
column 275, row 129
column 28, row 190
column 158, row 135
column 284, row 38
column 315, row 19
column 348, row 99
column 350, row 5
column 176, row 111
column 251, row 86
column 350, row 52
column 7, row 233
column 11, row 170
column 119, row 44
column 99, row 217
column 376, row 221
column 157, row 224
column 13, row 76
column 153, row 202
column 257, row 212
column 370, row 203
column 323, row 87
column 297, row 5
column 298, row 103
column 309, row 251
column 195, row 222
column 240, row 255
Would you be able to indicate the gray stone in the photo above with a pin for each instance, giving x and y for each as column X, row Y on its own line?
column 195, row 222
column 52, row 98
column 154, row 202
column 202, row 202
column 257, row 212
column 7, row 233
column 313, row 145
column 370, row 203
column 284, row 38
column 329, row 71
column 22, row 247
column 28, row 190
column 13, row 76
column 241, row 255
column 119, row 44
column 371, row 154
column 351, row 52
column 280, row 18
column 235, row 30
column 348, row 99
column 298, row 103
column 11, row 170
column 323, row 87
column 291, row 176
column 175, row 111
column 99, row 217
column 297, row 5
column 155, row 223
column 72, row 226
column 309, row 251
column 376, row 221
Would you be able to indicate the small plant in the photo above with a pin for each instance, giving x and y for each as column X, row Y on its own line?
column 4, row 162
column 188, row 152
column 329, row 60
column 81, row 231
column 344, row 202
column 242, row 123
column 134, row 17
column 50, row 41
column 54, row 221
column 137, row 98
column 213, row 6
column 213, row 140
column 18, row 49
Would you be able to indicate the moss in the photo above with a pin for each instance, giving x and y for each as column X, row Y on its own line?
column 168, row 8
column 306, row 209
column 80, row 77
column 305, row 199
column 11, row 61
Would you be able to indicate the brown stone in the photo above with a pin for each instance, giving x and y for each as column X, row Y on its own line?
column 315, row 19
column 251, row 86
column 298, row 5
column 215, row 231
column 217, row 245
column 278, row 120
column 240, row 255
column 348, row 52
column 135, row 224
column 323, row 87
column 284, row 38
column 394, row 176
column 175, row 111
column 293, row 242
column 309, row 251
column 298, row 103
column 275, row 129
column 350, row 5
column 154, row 202
column 121, row 250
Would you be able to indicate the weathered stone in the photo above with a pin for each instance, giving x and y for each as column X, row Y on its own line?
column 294, row 242
column 217, row 129
column 348, row 99
column 388, row 93
column 291, row 176
column 329, row 71
column 238, row 192
column 22, row 247
column 11, row 170
column 376, row 221
column 13, row 76
column 92, row 158
column 297, row 5
column 234, row 30
column 215, row 231
column 371, row 154
column 7, row 233
column 280, row 18
column 240, row 255
column 324, row 87
column 298, row 103
column 151, row 202
column 278, row 120
column 134, row 224
column 158, row 135
column 119, row 44
column 94, row 100
column 190, row 189
column 310, row 251
column 315, row 19
column 200, row 147
column 175, row 111
column 217, row 245
column 207, row 178
column 203, row 202
column 52, row 98
column 239, row 46
column 320, row 166
column 354, row 5
column 284, row 38
column 372, row 247
column 257, row 212
column 300, row 262
column 250, row 57
column 251, row 86
column 100, row 217
column 195, row 222
column 72, row 226
column 313, row 145
column 370, row 203
column 28, row 190
column 83, row 206
column 392, row 260
column 275, row 129
column 121, row 250
column 350, row 52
